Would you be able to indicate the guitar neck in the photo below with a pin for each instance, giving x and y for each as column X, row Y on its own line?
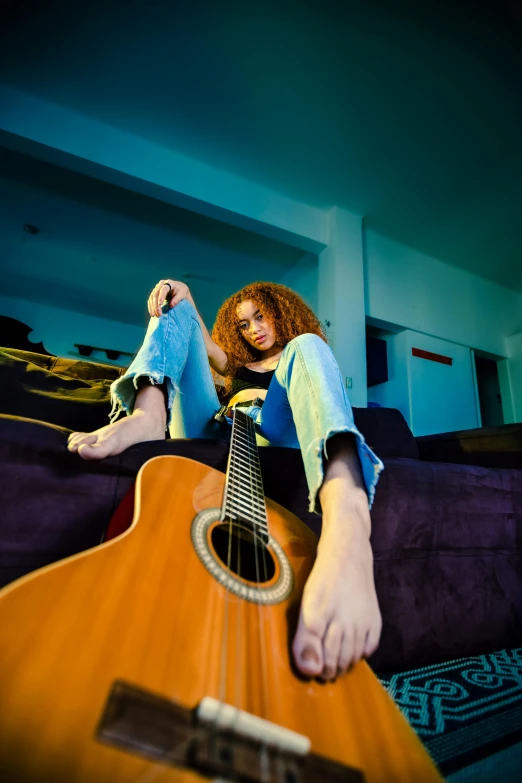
column 244, row 497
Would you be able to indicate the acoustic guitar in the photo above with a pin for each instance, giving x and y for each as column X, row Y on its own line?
column 164, row 654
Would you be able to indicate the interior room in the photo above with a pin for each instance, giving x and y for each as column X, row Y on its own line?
column 367, row 158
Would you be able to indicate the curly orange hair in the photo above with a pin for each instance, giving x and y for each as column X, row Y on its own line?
column 290, row 315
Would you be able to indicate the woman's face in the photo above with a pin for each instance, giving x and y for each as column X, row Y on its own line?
column 256, row 328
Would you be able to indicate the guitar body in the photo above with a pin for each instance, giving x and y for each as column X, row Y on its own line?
column 144, row 609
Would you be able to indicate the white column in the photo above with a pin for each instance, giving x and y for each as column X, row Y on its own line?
column 341, row 301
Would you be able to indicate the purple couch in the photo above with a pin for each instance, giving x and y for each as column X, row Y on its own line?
column 446, row 521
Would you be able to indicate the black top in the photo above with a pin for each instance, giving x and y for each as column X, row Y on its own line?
column 250, row 379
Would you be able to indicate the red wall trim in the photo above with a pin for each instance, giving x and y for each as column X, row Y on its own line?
column 432, row 357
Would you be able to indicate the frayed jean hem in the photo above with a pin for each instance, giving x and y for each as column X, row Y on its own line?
column 371, row 465
column 123, row 393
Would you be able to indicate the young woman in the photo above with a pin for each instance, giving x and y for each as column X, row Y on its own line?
column 266, row 343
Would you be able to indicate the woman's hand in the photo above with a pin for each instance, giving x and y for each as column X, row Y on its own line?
column 158, row 295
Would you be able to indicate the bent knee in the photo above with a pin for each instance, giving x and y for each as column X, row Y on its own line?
column 308, row 338
column 308, row 341
column 182, row 311
column 184, row 306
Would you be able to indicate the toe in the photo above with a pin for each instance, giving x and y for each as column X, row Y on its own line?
column 79, row 439
column 372, row 640
column 309, row 659
column 73, row 438
column 308, row 649
column 96, row 449
column 331, row 651
column 359, row 641
column 346, row 653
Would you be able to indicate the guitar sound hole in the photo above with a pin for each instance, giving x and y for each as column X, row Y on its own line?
column 247, row 554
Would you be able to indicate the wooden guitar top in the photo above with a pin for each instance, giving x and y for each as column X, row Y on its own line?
column 143, row 608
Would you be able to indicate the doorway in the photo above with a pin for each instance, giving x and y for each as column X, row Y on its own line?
column 488, row 386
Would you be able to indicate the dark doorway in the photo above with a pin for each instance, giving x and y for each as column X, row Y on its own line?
column 490, row 398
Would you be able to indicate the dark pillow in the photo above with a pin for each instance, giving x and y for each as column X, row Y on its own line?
column 72, row 368
column 386, row 432
column 72, row 394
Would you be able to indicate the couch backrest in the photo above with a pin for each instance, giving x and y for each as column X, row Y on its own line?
column 54, row 398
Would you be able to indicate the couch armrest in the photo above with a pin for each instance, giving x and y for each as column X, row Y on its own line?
column 489, row 447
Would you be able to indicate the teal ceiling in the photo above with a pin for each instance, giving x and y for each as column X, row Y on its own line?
column 407, row 113
column 100, row 249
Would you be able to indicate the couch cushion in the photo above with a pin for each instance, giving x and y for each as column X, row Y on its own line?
column 491, row 447
column 55, row 504
column 447, row 543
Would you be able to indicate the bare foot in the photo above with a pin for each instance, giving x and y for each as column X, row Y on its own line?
column 339, row 620
column 115, row 438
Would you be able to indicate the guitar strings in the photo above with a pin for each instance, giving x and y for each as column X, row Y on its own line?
column 264, row 667
column 239, row 613
column 224, row 643
column 276, row 695
column 149, row 775
column 244, row 425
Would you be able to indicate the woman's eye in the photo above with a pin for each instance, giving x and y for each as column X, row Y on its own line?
column 259, row 317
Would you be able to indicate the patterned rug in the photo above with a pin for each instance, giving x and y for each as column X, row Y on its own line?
column 468, row 713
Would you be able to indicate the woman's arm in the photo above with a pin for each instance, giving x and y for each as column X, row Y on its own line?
column 217, row 358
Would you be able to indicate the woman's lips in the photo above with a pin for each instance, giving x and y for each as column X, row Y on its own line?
column 260, row 339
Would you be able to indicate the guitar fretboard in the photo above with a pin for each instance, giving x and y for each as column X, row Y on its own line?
column 244, row 498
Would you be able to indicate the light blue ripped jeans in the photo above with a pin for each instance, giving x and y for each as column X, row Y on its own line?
column 305, row 404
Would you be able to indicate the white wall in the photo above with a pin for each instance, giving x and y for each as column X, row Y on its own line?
column 341, row 300
column 419, row 292
column 59, row 329
column 395, row 392
column 434, row 397
column 432, row 299
column 303, row 278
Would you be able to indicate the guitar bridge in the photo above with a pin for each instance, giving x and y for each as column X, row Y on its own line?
column 214, row 739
